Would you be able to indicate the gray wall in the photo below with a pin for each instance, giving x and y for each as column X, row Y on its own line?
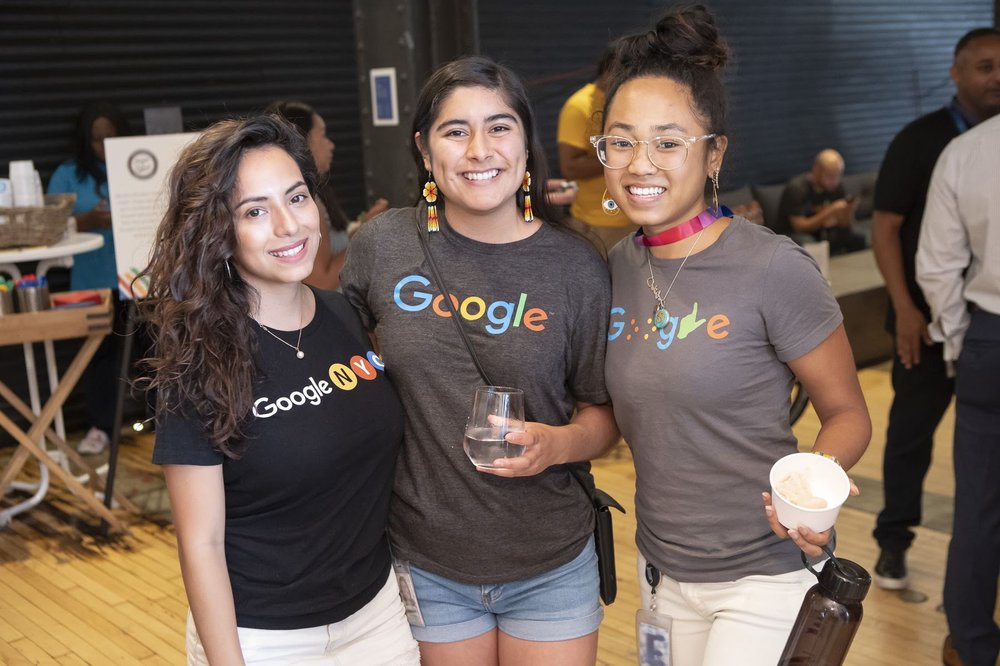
column 215, row 59
column 807, row 75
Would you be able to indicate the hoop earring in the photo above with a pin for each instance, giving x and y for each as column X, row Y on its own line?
column 529, row 215
column 430, row 195
column 609, row 205
column 715, row 190
column 229, row 271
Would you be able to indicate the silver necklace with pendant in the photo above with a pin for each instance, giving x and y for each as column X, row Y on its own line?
column 660, row 315
column 298, row 352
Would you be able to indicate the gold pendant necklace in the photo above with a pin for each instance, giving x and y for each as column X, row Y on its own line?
column 660, row 314
column 298, row 352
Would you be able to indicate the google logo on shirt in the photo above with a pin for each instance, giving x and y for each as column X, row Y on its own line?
column 344, row 377
column 502, row 315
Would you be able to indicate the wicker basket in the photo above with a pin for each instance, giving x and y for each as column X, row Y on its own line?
column 26, row 226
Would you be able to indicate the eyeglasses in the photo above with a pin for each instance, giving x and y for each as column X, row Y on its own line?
column 665, row 152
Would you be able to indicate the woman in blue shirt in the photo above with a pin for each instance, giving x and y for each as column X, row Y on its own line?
column 86, row 176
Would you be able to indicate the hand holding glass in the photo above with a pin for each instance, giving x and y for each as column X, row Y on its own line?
column 496, row 410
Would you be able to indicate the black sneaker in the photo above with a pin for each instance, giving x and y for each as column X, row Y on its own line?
column 890, row 570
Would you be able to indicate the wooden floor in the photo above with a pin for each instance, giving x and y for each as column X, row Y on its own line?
column 70, row 598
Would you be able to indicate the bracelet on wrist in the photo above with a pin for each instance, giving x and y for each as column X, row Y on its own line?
column 828, row 456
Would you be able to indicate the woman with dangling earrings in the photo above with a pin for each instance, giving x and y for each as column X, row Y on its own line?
column 713, row 317
column 276, row 426
column 501, row 560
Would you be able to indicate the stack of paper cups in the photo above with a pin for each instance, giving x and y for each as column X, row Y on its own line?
column 26, row 183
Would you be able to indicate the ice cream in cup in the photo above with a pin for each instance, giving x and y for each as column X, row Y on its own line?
column 808, row 490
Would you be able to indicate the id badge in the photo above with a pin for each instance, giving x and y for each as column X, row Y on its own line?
column 407, row 593
column 652, row 632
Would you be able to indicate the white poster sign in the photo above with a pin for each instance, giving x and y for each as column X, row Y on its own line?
column 138, row 170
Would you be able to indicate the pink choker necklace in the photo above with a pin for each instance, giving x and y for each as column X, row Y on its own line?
column 684, row 229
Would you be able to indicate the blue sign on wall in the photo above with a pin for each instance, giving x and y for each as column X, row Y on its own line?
column 385, row 110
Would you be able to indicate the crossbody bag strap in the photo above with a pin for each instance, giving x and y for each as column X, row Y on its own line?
column 468, row 343
column 451, row 306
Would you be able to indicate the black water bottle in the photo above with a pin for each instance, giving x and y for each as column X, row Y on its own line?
column 829, row 616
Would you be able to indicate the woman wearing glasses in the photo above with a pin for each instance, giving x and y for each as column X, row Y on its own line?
column 712, row 317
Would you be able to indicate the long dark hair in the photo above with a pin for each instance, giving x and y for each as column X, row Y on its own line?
column 87, row 162
column 480, row 72
column 684, row 46
column 204, row 344
column 301, row 115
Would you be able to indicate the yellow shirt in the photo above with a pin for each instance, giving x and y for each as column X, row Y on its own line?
column 580, row 119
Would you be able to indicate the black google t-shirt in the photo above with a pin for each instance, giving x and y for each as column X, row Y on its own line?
column 307, row 502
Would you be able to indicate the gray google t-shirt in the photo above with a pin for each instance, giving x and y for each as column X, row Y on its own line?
column 703, row 402
column 536, row 311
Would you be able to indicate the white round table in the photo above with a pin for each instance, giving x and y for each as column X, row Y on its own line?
column 57, row 254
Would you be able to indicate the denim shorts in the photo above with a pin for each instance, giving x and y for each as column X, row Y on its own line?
column 558, row 605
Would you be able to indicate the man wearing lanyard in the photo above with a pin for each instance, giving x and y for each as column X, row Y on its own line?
column 922, row 387
column 958, row 268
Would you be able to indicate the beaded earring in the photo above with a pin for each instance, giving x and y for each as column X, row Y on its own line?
column 715, row 190
column 609, row 205
column 529, row 215
column 430, row 195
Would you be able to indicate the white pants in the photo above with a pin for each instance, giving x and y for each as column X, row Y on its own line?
column 745, row 621
column 376, row 635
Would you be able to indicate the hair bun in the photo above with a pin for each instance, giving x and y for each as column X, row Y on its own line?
column 689, row 36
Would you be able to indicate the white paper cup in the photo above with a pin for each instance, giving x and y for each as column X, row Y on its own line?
column 826, row 479
column 21, row 168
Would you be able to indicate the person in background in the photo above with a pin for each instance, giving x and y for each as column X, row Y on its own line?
column 921, row 386
column 713, row 318
column 86, row 176
column 814, row 206
column 580, row 119
column 958, row 268
column 276, row 427
column 502, row 561
column 336, row 228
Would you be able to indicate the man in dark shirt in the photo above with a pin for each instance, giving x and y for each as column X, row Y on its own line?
column 814, row 206
column 922, row 388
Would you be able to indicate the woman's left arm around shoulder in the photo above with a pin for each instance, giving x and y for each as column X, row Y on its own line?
column 589, row 434
column 830, row 378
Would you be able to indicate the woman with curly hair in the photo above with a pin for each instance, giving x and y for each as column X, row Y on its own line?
column 276, row 426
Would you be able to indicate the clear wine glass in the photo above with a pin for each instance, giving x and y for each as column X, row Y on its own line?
column 496, row 410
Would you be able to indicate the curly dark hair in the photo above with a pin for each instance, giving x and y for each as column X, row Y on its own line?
column 204, row 343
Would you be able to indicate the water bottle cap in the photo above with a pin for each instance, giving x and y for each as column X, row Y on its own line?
column 844, row 580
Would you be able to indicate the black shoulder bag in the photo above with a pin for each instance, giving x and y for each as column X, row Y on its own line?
column 604, row 539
